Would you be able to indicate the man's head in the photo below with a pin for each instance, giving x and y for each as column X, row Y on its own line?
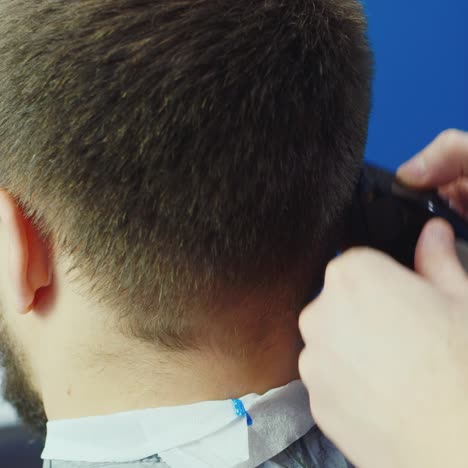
column 190, row 160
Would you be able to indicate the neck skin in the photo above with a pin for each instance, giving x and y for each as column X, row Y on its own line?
column 98, row 371
column 165, row 380
column 115, row 383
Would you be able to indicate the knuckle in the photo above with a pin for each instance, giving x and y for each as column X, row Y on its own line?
column 308, row 322
column 357, row 252
column 354, row 263
column 304, row 320
column 334, row 271
column 349, row 260
column 364, row 255
column 307, row 368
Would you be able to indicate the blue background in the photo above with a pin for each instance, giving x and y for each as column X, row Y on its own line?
column 421, row 82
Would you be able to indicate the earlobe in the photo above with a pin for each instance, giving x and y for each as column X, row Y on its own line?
column 28, row 263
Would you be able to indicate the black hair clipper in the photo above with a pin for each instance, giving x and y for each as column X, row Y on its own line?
column 388, row 216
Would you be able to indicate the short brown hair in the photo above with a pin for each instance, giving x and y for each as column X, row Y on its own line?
column 178, row 149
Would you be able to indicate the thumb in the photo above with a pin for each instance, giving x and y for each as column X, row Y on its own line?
column 442, row 162
column 436, row 258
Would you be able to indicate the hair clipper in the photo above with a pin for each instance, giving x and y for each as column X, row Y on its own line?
column 389, row 216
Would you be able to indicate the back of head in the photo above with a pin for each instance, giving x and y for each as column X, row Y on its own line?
column 184, row 152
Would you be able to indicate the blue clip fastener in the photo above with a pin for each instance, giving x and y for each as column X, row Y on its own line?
column 241, row 411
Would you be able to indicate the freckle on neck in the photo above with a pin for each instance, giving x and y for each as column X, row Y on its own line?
column 69, row 391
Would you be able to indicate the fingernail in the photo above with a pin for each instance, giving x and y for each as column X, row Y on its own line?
column 414, row 169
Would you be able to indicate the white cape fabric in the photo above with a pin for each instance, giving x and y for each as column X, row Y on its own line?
column 202, row 435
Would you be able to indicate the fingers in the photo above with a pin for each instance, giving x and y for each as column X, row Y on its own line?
column 436, row 258
column 443, row 161
column 456, row 194
column 360, row 263
column 359, row 271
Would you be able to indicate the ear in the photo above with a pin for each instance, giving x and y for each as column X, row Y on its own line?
column 28, row 254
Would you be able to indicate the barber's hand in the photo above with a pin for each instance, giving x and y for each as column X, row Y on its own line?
column 443, row 165
column 386, row 356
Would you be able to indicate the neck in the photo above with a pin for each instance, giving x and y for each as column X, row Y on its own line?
column 115, row 383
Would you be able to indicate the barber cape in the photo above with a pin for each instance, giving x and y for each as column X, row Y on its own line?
column 271, row 430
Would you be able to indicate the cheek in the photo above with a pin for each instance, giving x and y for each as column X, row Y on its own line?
column 20, row 327
column 16, row 323
column 6, row 299
column 9, row 318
